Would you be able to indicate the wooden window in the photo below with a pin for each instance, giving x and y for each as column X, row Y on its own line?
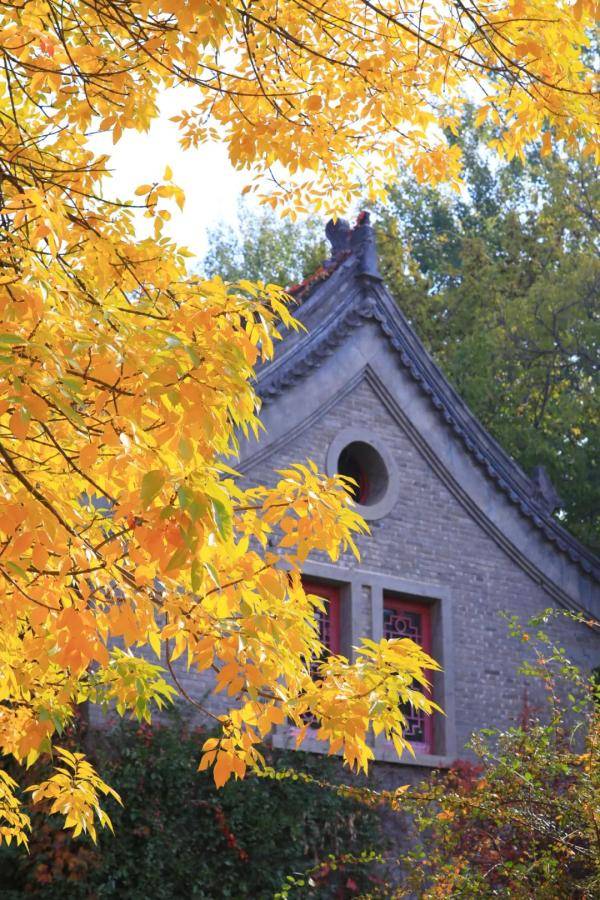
column 403, row 618
column 329, row 627
column 329, row 619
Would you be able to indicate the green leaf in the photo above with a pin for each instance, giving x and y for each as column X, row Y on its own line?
column 186, row 450
column 196, row 575
column 179, row 558
column 185, row 496
column 213, row 574
column 222, row 518
column 152, row 483
column 194, row 355
column 12, row 339
column 73, row 384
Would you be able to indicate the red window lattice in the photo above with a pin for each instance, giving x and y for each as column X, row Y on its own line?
column 407, row 619
column 328, row 620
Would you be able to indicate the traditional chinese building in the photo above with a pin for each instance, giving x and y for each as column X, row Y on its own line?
column 459, row 532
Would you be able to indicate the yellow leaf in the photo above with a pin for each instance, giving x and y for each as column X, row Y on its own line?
column 223, row 769
column 154, row 641
column 546, row 144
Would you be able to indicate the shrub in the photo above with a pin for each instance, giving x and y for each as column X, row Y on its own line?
column 523, row 819
column 178, row 836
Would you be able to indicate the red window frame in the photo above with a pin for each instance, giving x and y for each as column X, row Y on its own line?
column 400, row 604
column 330, row 616
column 330, row 593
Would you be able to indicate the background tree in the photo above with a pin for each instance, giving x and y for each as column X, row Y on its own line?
column 124, row 379
column 263, row 247
column 502, row 283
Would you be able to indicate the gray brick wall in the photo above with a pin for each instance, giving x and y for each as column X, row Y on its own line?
column 430, row 538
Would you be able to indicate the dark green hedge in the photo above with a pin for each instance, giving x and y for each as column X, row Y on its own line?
column 177, row 836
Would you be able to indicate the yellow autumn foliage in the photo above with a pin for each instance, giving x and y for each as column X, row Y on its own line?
column 125, row 380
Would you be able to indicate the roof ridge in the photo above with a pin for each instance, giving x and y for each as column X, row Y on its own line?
column 345, row 242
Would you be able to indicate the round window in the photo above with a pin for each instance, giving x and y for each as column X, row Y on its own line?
column 364, row 464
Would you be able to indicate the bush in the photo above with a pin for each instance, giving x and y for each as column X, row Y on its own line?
column 178, row 836
column 523, row 820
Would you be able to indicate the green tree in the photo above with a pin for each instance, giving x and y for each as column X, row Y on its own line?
column 502, row 284
column 262, row 247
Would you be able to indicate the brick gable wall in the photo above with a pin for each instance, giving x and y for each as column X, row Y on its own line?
column 430, row 545
column 430, row 538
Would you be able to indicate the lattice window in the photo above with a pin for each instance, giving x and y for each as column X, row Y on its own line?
column 406, row 619
column 324, row 622
column 329, row 618
column 329, row 625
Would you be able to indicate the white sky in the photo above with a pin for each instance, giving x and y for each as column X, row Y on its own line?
column 212, row 187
